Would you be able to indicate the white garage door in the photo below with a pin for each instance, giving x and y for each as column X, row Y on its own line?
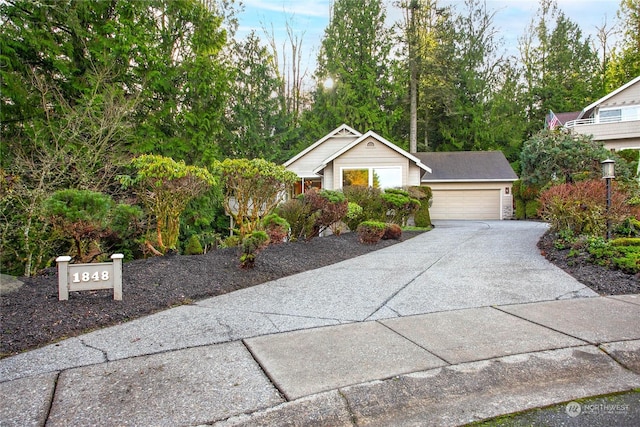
column 465, row 204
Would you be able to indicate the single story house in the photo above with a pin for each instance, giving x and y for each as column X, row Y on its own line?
column 466, row 185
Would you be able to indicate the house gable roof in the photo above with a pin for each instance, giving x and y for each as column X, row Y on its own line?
column 340, row 131
column 567, row 117
column 467, row 166
column 587, row 110
column 377, row 137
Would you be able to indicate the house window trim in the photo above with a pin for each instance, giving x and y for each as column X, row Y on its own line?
column 622, row 117
column 370, row 169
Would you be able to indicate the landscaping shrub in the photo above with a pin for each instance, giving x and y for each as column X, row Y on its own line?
column 623, row 254
column 371, row 232
column 581, row 207
column 331, row 207
column 81, row 216
column 276, row 227
column 369, row 199
column 251, row 245
column 392, row 232
column 399, row 205
column 526, row 200
column 355, row 215
column 193, row 246
column 630, row 227
column 531, row 209
column 300, row 218
column 421, row 217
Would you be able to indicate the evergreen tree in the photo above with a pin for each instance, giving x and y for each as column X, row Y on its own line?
column 355, row 55
column 561, row 69
column 624, row 65
column 255, row 123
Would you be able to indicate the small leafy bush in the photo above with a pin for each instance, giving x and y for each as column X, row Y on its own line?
column 399, row 205
column 300, row 217
column 370, row 232
column 194, row 247
column 330, row 205
column 79, row 215
column 623, row 254
column 392, row 232
column 276, row 227
column 369, row 199
column 251, row 245
column 355, row 215
column 423, row 194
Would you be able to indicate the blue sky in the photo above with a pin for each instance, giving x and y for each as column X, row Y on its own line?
column 308, row 18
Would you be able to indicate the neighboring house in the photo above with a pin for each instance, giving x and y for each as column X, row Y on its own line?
column 467, row 185
column 613, row 119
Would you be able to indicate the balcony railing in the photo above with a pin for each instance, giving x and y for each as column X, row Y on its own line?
column 593, row 121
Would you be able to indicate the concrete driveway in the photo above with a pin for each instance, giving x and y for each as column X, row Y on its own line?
column 465, row 322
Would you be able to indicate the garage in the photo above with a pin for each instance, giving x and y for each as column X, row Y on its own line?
column 465, row 204
column 471, row 185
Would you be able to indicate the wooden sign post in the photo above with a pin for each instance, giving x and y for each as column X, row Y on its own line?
column 89, row 277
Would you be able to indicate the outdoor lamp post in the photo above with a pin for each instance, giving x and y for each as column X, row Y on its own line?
column 608, row 173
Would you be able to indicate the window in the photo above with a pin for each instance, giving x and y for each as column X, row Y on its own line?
column 607, row 116
column 377, row 177
column 620, row 114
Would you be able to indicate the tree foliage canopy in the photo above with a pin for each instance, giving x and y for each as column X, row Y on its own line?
column 557, row 155
column 253, row 188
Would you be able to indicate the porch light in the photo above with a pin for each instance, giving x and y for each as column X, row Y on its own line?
column 608, row 169
column 608, row 173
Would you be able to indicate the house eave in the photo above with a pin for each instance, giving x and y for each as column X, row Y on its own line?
column 467, row 180
column 604, row 98
column 331, row 134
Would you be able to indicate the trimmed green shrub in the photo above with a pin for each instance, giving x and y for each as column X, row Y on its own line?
column 79, row 215
column 525, row 197
column 370, row 232
column 392, row 232
column 355, row 215
column 300, row 217
column 251, row 245
column 422, row 217
column 531, row 209
column 399, row 205
column 193, row 246
column 521, row 209
column 276, row 227
column 369, row 199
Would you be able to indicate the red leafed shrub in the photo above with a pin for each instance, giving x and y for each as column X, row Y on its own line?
column 581, row 207
column 370, row 232
column 392, row 232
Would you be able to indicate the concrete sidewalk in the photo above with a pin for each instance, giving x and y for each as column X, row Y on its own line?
column 463, row 323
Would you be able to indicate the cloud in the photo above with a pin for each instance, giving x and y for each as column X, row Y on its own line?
column 307, row 8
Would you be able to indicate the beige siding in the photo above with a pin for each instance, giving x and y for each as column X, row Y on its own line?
column 305, row 165
column 364, row 155
column 616, row 135
column 629, row 96
column 476, row 201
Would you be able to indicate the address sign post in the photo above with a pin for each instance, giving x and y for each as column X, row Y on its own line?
column 89, row 277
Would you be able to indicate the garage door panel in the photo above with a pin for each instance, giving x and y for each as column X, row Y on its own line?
column 465, row 204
